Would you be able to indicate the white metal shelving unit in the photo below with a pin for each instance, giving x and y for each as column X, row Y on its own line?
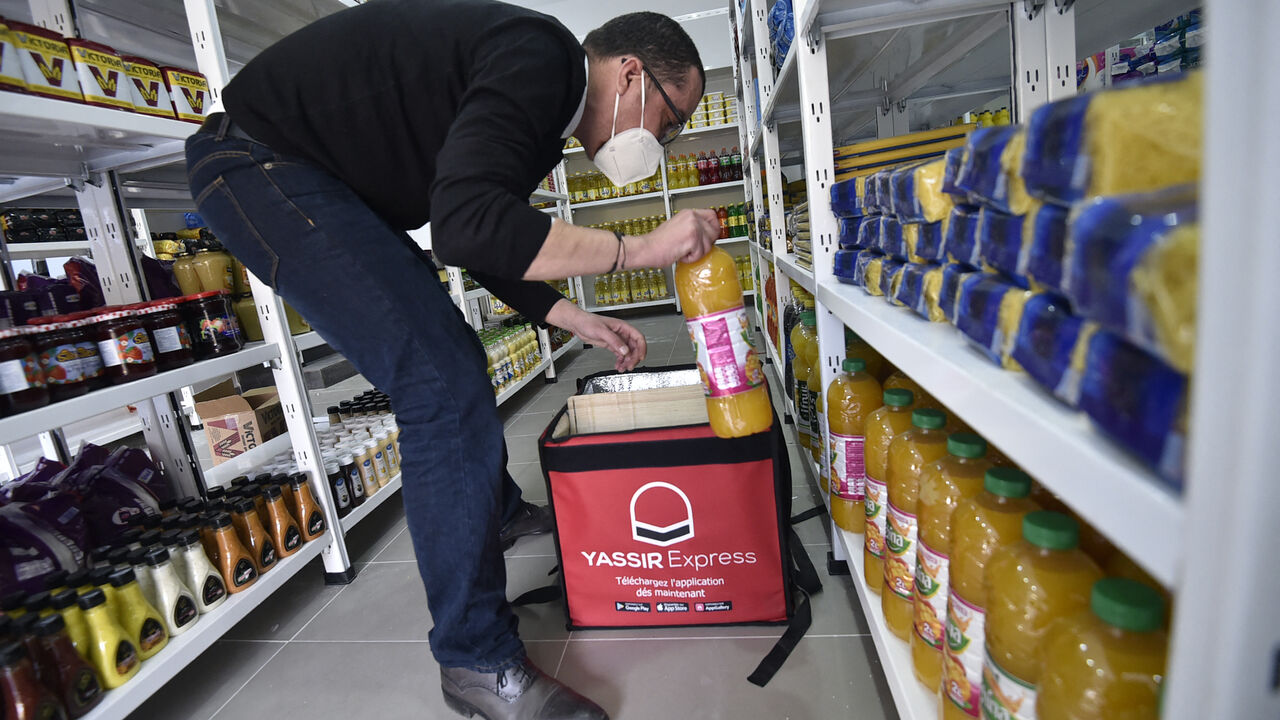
column 370, row 504
column 860, row 69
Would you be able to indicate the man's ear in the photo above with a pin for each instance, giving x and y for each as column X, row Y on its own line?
column 629, row 71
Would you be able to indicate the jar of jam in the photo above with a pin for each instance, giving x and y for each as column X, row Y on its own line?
column 55, row 348
column 91, row 367
column 22, row 385
column 168, row 333
column 212, row 324
column 125, row 347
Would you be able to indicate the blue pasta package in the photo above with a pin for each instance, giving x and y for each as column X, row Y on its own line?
column 953, row 276
column 1046, row 247
column 890, row 276
column 982, row 175
column 849, row 233
column 1000, row 240
column 845, row 202
column 1051, row 345
column 962, row 236
column 890, row 240
column 988, row 313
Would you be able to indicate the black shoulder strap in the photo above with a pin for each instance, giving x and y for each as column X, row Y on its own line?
column 537, row 596
column 813, row 512
column 807, row 581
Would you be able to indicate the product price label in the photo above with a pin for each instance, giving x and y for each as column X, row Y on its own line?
column 169, row 339
column 848, row 466
column 962, row 654
column 900, row 552
column 932, row 576
column 19, row 375
column 60, row 365
column 726, row 361
column 1005, row 697
column 877, row 498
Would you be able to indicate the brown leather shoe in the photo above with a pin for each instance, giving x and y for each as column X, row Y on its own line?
column 520, row 693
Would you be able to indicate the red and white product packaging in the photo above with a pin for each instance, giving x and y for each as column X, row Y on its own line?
column 46, row 62
column 147, row 89
column 101, row 73
column 11, row 77
column 189, row 91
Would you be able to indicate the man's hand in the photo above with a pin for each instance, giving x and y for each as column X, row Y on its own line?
column 626, row 342
column 687, row 237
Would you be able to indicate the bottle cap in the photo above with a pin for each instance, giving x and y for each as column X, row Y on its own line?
column 169, row 504
column 221, row 520
column 130, row 536
column 91, row 599
column 77, row 578
column 1051, row 530
column 187, row 538
column 63, row 600
column 1007, row 482
column 239, row 480
column 56, row 579
column 169, row 538
column 853, row 365
column 11, row 652
column 151, row 522
column 137, row 557
column 332, row 409
column 12, row 601
column 898, row 397
column 263, row 478
column 122, row 577
column 272, row 492
column 150, row 537
column 243, row 505
column 966, row 445
column 51, row 625
column 37, row 601
column 100, row 575
column 157, row 557
column 928, row 419
column 216, row 492
column 1127, row 604
column 194, row 505
column 297, row 480
column 809, row 318
column 24, row 622
column 118, row 555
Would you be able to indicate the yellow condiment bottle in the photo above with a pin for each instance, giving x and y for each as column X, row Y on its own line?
column 64, row 603
column 802, row 336
column 1109, row 662
column 111, row 653
column 979, row 526
column 943, row 484
column 732, row 374
column 141, row 622
column 1030, row 584
column 883, row 426
column 909, row 453
column 851, row 399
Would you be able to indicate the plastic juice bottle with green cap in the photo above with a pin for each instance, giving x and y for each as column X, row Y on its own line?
column 856, row 347
column 1108, row 662
column 979, row 526
column 853, row 396
column 817, row 410
column 943, row 484
column 1030, row 584
column 883, row 425
column 802, row 336
column 909, row 453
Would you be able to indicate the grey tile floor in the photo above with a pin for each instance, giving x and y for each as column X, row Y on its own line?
column 360, row 650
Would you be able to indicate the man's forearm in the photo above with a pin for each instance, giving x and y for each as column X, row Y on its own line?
column 570, row 251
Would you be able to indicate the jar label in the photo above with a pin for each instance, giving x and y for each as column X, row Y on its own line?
column 932, row 575
column 340, row 492
column 962, row 655
column 315, row 524
column 244, row 573
column 168, row 339
column 217, row 328
column 213, row 590
column 876, row 496
column 109, row 353
column 353, row 479
column 90, row 360
column 135, row 348
column 86, row 688
column 184, row 612
column 292, row 538
column 19, row 375
column 816, row 415
column 61, row 365
column 151, row 635
column 1005, row 697
column 267, row 557
column 382, row 465
column 727, row 362
column 848, row 466
column 126, row 658
column 900, row 556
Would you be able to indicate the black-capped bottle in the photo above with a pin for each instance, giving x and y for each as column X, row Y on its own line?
column 238, row 569
column 73, row 678
column 244, row 515
column 25, row 697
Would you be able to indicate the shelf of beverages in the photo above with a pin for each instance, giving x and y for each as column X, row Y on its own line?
column 688, row 172
column 633, row 288
column 592, row 189
column 514, row 355
column 516, row 386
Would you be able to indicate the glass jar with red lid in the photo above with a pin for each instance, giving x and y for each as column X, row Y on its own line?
column 125, row 347
column 211, row 323
column 168, row 332
column 55, row 345
column 22, row 385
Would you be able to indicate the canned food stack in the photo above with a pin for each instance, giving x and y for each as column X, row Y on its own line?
column 713, row 110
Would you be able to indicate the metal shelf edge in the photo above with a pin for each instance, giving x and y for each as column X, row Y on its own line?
column 505, row 395
column 559, row 353
column 371, row 504
column 805, row 277
column 633, row 306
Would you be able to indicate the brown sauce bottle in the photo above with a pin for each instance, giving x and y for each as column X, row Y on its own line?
column 234, row 562
column 283, row 528
column 75, row 682
column 310, row 516
column 254, row 537
column 25, row 697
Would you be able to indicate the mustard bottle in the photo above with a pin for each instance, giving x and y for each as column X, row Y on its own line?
column 64, row 603
column 142, row 623
column 110, row 652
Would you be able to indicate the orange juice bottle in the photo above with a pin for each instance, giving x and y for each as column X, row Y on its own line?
column 943, row 484
column 817, row 411
column 1030, row 584
column 1109, row 662
column 883, row 426
column 1093, row 542
column 909, row 453
column 732, row 375
column 802, row 337
column 979, row 526
column 851, row 399
column 899, row 379
column 856, row 347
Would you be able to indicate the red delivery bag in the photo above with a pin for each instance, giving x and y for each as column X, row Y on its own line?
column 674, row 526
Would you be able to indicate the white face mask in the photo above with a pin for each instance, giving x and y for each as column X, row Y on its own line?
column 632, row 155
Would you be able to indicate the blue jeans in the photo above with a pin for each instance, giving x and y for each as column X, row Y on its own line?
column 373, row 294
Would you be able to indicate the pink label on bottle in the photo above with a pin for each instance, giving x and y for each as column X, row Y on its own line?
column 727, row 362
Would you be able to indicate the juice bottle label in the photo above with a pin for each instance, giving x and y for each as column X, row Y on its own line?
column 962, row 662
column 1005, row 697
column 727, row 362
column 932, row 576
column 848, row 466
column 877, row 497
column 815, row 414
column 900, row 555
column 803, row 410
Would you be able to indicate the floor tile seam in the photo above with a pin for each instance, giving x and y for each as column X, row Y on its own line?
column 245, row 684
column 667, row 638
column 563, row 652
column 324, row 607
column 389, row 543
column 320, row 641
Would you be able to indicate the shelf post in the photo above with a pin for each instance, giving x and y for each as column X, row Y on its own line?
column 777, row 242
column 1044, row 54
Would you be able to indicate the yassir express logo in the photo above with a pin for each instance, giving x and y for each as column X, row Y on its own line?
column 661, row 515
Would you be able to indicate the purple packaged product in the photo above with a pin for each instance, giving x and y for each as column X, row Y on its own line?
column 83, row 275
column 16, row 307
column 159, row 275
column 58, row 298
column 39, row 538
column 135, row 463
column 114, row 502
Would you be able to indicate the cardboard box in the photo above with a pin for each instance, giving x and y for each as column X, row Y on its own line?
column 234, row 424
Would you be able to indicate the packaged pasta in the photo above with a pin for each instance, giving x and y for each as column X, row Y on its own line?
column 890, row 241
column 1132, row 266
column 1044, row 231
column 982, row 175
column 910, row 288
column 1138, row 137
column 1051, row 346
column 890, row 278
column 848, row 228
column 930, row 306
column 869, row 232
column 954, row 159
column 988, row 312
column 871, row 270
column 1011, row 166
column 924, row 242
column 1000, row 240
column 905, row 200
column 845, row 202
column 844, row 264
column 962, row 236
column 953, row 276
column 934, row 204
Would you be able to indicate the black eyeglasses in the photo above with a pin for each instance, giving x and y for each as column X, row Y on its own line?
column 671, row 132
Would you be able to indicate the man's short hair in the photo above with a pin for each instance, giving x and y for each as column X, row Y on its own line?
column 657, row 40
